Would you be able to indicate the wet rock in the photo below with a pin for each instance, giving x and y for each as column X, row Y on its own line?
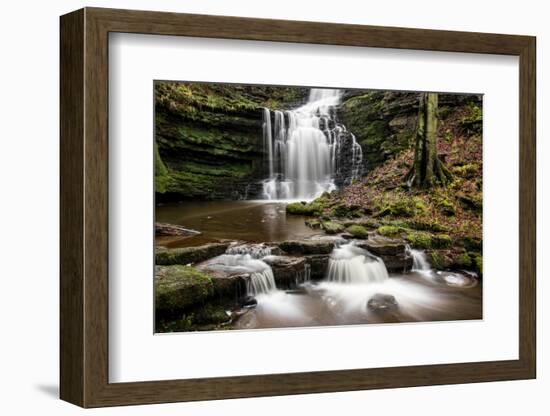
column 163, row 229
column 287, row 270
column 383, row 246
column 301, row 247
column 249, row 302
column 318, row 264
column 189, row 255
column 382, row 303
column 230, row 285
column 179, row 287
column 399, row 263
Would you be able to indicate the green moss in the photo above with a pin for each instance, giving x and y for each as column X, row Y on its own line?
column 463, row 260
column 468, row 170
column 438, row 260
column 162, row 177
column 420, row 239
column 302, row 208
column 332, row 227
column 472, row 243
column 388, row 230
column 477, row 260
column 358, row 231
column 401, row 205
column 313, row 223
column 341, row 211
column 426, row 225
column 205, row 317
column 178, row 287
column 441, row 241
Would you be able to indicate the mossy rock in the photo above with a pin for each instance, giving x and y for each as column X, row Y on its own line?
column 204, row 317
column 439, row 260
column 463, row 260
column 441, row 241
column 179, row 287
column 189, row 255
column 472, row 243
column 389, row 230
column 332, row 227
column 420, row 239
column 402, row 206
column 358, row 231
column 302, row 208
column 477, row 262
column 426, row 225
column 313, row 223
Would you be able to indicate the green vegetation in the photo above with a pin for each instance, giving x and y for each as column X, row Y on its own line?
column 178, row 287
column 358, row 231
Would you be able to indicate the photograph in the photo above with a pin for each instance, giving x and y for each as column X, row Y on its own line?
column 298, row 206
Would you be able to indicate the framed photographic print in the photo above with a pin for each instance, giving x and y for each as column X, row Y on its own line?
column 275, row 207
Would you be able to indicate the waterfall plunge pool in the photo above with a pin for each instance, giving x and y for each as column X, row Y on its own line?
column 251, row 221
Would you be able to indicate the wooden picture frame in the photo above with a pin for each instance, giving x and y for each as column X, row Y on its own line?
column 84, row 207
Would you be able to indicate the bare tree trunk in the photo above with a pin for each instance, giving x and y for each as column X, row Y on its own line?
column 427, row 169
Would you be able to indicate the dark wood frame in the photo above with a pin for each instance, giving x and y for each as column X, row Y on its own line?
column 84, row 207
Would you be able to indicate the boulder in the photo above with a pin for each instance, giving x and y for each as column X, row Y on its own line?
column 382, row 303
column 301, row 247
column 287, row 270
column 189, row 255
column 383, row 246
column 229, row 285
column 179, row 287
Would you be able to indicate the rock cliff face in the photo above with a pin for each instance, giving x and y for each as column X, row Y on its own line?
column 384, row 122
column 208, row 137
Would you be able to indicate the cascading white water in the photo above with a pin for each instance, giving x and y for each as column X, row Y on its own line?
column 261, row 282
column 351, row 264
column 303, row 146
column 261, row 275
column 256, row 251
column 420, row 262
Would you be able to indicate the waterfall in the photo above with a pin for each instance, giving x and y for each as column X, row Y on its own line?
column 351, row 264
column 420, row 262
column 261, row 282
column 302, row 148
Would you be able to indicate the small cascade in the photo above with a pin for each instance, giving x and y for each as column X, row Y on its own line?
column 351, row 264
column 261, row 282
column 303, row 276
column 303, row 147
column 420, row 262
column 256, row 251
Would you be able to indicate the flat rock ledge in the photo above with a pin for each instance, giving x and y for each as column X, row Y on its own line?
column 189, row 255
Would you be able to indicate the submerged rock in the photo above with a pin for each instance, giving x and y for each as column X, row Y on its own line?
column 163, row 229
column 189, row 255
column 382, row 303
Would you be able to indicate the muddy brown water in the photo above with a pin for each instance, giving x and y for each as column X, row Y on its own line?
column 249, row 221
